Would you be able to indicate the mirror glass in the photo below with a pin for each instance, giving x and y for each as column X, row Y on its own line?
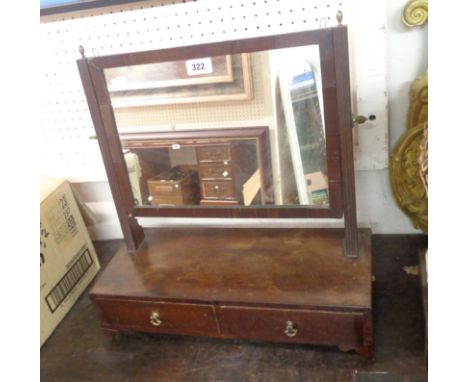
column 235, row 130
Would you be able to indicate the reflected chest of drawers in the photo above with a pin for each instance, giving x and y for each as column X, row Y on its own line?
column 219, row 182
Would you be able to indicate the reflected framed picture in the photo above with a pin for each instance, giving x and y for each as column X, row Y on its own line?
column 210, row 79
column 304, row 122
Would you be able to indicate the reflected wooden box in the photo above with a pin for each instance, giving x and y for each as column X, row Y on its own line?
column 178, row 186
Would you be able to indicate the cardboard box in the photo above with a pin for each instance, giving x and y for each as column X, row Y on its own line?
column 316, row 181
column 68, row 258
column 317, row 188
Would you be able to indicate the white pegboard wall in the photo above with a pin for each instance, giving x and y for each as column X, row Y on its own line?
column 65, row 120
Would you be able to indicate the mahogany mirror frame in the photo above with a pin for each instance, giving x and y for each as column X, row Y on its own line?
column 333, row 47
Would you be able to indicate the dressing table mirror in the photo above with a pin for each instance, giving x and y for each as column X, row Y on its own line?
column 253, row 128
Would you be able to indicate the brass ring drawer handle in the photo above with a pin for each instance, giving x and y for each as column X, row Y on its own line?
column 290, row 330
column 154, row 319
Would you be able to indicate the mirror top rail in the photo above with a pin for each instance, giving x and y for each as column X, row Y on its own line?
column 255, row 44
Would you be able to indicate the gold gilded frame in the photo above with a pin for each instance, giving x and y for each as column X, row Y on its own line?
column 405, row 169
column 407, row 185
column 415, row 13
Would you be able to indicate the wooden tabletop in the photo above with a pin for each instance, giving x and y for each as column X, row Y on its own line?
column 263, row 266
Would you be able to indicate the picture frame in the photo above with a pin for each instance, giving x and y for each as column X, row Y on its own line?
column 304, row 86
column 169, row 83
column 169, row 74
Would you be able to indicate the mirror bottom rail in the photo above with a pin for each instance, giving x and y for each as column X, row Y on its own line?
column 154, row 307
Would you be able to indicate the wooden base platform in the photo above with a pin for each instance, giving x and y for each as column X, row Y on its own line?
column 285, row 285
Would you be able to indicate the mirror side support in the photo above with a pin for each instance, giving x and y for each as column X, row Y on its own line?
column 111, row 151
column 343, row 91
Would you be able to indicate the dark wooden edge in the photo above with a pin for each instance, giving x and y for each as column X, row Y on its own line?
column 96, row 297
column 424, row 295
column 265, row 166
column 79, row 6
column 235, row 212
column 367, row 349
column 112, row 331
column 340, row 45
column 335, row 77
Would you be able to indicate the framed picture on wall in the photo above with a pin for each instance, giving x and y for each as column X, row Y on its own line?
column 210, row 79
column 304, row 121
column 170, row 74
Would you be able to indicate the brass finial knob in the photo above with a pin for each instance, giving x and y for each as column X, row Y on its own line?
column 339, row 16
column 359, row 119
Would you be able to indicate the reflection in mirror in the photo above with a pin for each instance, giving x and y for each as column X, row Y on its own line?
column 234, row 130
column 224, row 170
column 215, row 79
column 305, row 132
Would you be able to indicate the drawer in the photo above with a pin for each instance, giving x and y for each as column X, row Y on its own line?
column 214, row 153
column 218, row 189
column 169, row 188
column 158, row 316
column 284, row 325
column 176, row 196
column 215, row 171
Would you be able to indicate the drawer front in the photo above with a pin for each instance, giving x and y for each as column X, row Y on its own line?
column 218, row 189
column 158, row 317
column 214, row 153
column 304, row 326
column 165, row 189
column 215, row 171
